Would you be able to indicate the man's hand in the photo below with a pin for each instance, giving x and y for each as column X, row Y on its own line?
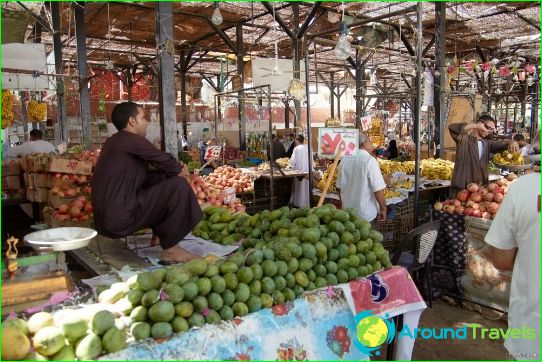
column 513, row 146
column 382, row 214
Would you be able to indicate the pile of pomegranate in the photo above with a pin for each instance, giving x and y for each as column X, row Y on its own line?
column 78, row 210
column 208, row 196
column 478, row 201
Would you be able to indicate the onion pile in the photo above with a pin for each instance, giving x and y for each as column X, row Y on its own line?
column 227, row 176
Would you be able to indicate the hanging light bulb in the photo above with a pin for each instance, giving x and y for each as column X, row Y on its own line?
column 217, row 16
column 343, row 47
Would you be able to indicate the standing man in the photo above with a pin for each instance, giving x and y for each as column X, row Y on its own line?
column 472, row 151
column 360, row 183
column 126, row 197
column 36, row 144
column 291, row 145
column 514, row 239
column 300, row 162
column 278, row 149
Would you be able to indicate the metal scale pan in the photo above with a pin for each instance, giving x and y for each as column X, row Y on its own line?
column 61, row 239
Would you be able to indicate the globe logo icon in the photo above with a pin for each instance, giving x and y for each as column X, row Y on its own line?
column 372, row 331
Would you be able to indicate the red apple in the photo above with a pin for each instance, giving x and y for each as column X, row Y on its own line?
column 493, row 207
column 78, row 204
column 63, row 208
column 75, row 211
column 476, row 196
column 476, row 213
column 489, row 197
column 459, row 210
column 88, row 208
column 498, row 197
column 491, row 187
column 457, row 203
column 475, row 206
column 468, row 211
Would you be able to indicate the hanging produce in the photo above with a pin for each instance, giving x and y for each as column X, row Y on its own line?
column 37, row 111
column 7, row 109
column 296, row 89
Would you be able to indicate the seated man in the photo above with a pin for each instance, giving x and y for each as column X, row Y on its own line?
column 126, row 197
column 36, row 144
column 525, row 149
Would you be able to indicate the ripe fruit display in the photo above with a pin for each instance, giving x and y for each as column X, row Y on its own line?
column 204, row 193
column 78, row 210
column 37, row 111
column 327, row 174
column 478, row 201
column 508, row 158
column 388, row 167
column 390, row 194
column 283, row 162
column 7, row 109
column 437, row 169
column 227, row 176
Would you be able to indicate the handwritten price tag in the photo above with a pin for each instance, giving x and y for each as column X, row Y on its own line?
column 212, row 152
column 332, row 139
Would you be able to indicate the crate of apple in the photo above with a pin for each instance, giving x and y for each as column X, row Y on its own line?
column 69, row 179
column 478, row 201
column 205, row 194
column 79, row 210
column 227, row 176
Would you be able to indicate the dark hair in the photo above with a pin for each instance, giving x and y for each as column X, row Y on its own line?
column 122, row 112
column 519, row 137
column 36, row 133
column 485, row 118
column 300, row 138
column 273, row 136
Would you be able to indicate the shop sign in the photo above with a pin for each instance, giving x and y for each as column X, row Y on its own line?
column 212, row 152
column 329, row 139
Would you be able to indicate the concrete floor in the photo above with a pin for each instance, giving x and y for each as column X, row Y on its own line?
column 445, row 314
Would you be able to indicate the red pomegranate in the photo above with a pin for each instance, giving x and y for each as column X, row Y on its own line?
column 463, row 195
column 472, row 187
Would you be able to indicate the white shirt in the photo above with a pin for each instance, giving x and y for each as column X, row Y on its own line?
column 300, row 162
column 517, row 225
column 38, row 146
column 480, row 149
column 359, row 178
column 526, row 150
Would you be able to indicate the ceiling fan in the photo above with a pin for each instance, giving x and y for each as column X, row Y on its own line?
column 276, row 71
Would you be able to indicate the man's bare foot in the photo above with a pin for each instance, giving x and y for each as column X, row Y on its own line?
column 155, row 241
column 177, row 254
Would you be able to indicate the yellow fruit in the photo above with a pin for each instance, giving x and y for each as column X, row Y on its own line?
column 15, row 345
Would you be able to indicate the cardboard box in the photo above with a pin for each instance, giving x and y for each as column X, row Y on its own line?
column 11, row 168
column 31, row 195
column 13, row 182
column 42, row 180
column 29, row 180
column 42, row 194
column 70, row 166
column 55, row 200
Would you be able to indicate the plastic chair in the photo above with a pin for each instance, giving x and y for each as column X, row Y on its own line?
column 413, row 253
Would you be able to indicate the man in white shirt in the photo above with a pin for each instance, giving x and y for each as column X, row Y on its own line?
column 300, row 162
column 35, row 145
column 514, row 239
column 525, row 149
column 360, row 183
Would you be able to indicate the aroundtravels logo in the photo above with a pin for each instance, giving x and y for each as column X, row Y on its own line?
column 372, row 331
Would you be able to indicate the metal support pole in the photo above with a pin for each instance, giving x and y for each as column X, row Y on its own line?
column 240, row 71
column 61, row 129
column 184, row 108
column 359, row 90
column 129, row 83
column 418, row 112
column 440, row 80
column 338, row 102
column 84, row 96
column 524, row 103
column 286, row 114
column 332, row 94
column 166, row 80
column 24, row 113
column 308, row 108
column 506, row 101
column 296, row 57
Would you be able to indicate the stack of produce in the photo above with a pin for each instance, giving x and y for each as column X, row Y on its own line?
column 232, row 153
column 437, row 169
column 78, row 210
column 390, row 193
column 204, row 193
column 7, row 109
column 227, row 176
column 37, row 111
column 389, row 167
column 406, row 184
column 283, row 162
column 478, row 201
column 508, row 158
column 323, row 180
column 264, row 166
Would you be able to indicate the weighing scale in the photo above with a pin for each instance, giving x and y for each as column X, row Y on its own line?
column 21, row 288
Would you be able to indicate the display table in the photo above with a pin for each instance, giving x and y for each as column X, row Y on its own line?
column 318, row 326
column 462, row 265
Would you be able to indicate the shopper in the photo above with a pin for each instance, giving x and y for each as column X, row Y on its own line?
column 300, row 162
column 36, row 144
column 278, row 149
column 514, row 239
column 360, row 183
column 525, row 149
column 126, row 197
column 392, row 152
column 291, row 145
column 472, row 151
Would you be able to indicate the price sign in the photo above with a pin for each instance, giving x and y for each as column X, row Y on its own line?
column 62, row 148
column 212, row 152
column 332, row 139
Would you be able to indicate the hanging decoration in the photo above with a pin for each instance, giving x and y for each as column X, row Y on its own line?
column 7, row 109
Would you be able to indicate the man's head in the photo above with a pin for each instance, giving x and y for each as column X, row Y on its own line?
column 299, row 140
column 291, row 136
column 36, row 135
column 273, row 137
column 130, row 117
column 520, row 139
column 365, row 142
column 489, row 124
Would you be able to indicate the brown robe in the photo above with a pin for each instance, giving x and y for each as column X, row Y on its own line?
column 126, row 197
column 468, row 167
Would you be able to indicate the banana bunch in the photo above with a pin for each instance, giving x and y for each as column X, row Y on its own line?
column 403, row 184
column 389, row 193
column 437, row 169
column 263, row 166
column 37, row 111
column 7, row 109
column 508, row 158
column 283, row 162
column 389, row 167
column 323, row 181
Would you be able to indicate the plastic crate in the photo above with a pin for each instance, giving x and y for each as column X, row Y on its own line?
column 387, row 228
